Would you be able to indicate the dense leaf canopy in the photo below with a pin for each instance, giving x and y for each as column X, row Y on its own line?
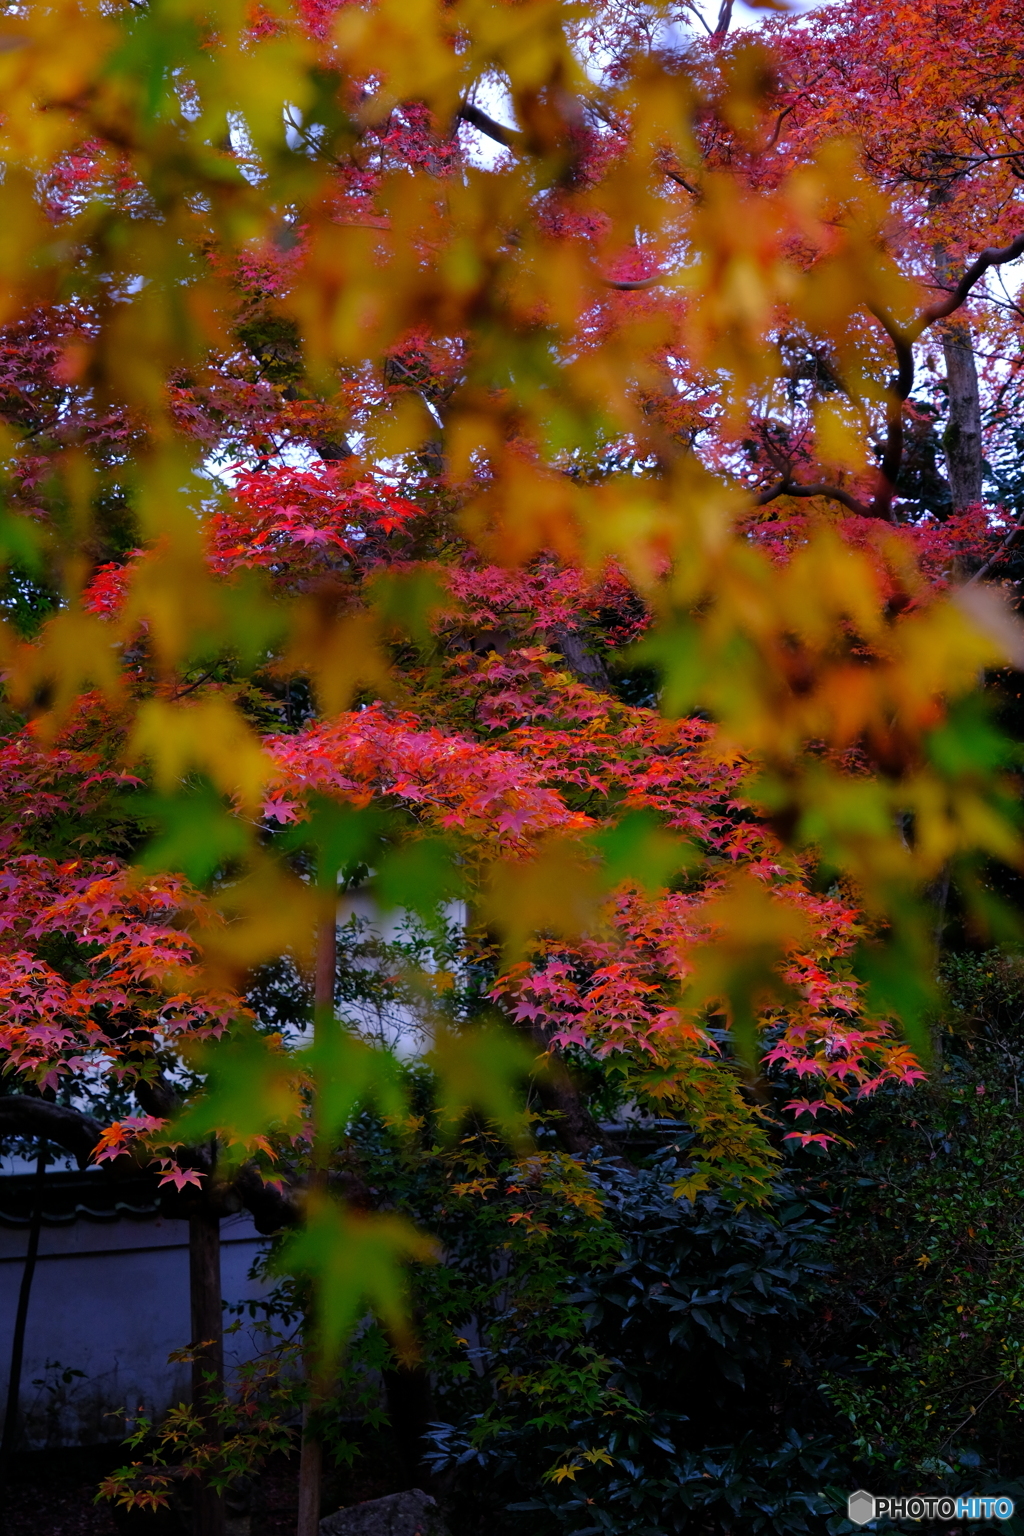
column 470, row 452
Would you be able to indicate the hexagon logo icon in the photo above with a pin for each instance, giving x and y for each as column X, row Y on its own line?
column 860, row 1507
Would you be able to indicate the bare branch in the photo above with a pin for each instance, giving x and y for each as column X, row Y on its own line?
column 994, row 256
column 680, row 180
column 484, row 123
column 778, row 128
column 899, row 392
column 1011, row 538
column 724, row 21
column 903, row 345
column 788, row 487
column 902, row 384
column 632, row 285
column 695, row 10
column 270, row 1208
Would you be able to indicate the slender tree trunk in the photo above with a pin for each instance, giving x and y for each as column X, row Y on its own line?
column 208, row 1357
column 11, row 1416
column 962, row 437
column 312, row 1455
column 961, row 440
column 938, row 895
column 311, row 1465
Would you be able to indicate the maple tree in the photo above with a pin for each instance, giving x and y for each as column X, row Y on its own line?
column 934, row 106
column 480, row 428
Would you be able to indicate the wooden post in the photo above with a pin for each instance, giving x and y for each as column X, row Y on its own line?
column 311, row 1466
column 311, row 1456
column 208, row 1347
column 11, row 1416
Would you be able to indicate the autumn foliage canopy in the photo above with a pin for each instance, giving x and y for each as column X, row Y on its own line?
column 459, row 448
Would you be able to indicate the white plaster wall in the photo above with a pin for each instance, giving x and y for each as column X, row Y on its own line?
column 110, row 1299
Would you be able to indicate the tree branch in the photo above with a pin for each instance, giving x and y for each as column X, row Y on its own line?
column 778, row 128
column 903, row 340
column 1011, row 538
column 679, row 180
column 994, row 256
column 788, row 487
column 270, row 1208
column 632, row 284
column 902, row 384
column 723, row 23
column 484, row 123
column 903, row 345
column 881, row 505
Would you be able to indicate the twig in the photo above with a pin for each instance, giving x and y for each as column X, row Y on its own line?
column 198, row 682
column 679, row 180
column 778, row 128
column 1017, row 528
column 972, row 1414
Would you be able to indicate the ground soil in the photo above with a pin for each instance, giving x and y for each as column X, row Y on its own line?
column 53, row 1493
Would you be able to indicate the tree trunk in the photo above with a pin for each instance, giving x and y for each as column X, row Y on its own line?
column 961, row 440
column 311, row 1465
column 208, row 1353
column 311, row 1455
column 582, row 663
column 962, row 437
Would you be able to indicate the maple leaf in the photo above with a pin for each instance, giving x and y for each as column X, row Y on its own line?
column 178, row 1178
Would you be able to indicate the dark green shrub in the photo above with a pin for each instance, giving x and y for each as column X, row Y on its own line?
column 654, row 1396
column 919, row 1345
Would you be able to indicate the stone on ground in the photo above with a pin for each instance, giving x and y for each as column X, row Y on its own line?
column 412, row 1513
